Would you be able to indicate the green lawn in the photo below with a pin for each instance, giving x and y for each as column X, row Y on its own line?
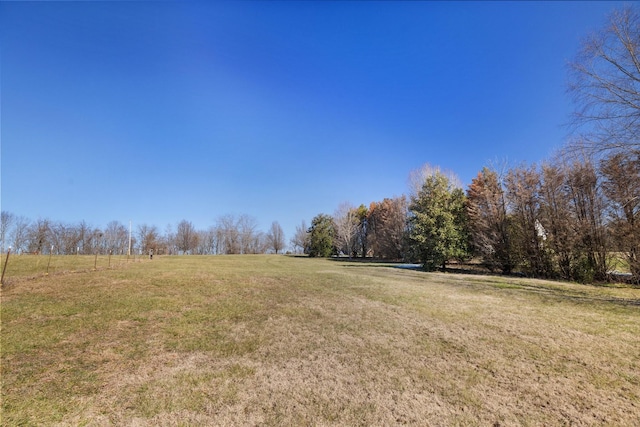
column 277, row 340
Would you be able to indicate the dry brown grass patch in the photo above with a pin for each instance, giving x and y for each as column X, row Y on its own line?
column 293, row 341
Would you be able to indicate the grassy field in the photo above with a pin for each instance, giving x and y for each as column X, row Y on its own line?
column 276, row 340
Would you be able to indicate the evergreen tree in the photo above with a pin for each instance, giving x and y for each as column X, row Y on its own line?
column 321, row 236
column 437, row 222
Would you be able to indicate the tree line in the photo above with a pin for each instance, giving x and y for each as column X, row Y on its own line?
column 575, row 220
column 230, row 234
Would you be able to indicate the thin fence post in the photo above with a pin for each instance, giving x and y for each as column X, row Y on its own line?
column 49, row 261
column 4, row 268
column 109, row 259
column 95, row 262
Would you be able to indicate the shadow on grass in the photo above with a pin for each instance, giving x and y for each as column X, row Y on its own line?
column 376, row 263
column 457, row 268
column 520, row 284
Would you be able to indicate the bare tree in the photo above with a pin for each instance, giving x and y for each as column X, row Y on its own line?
column 84, row 238
column 300, row 240
column 39, row 236
column 228, row 235
column 346, row 222
column 148, row 238
column 275, row 237
column 207, row 241
column 258, row 243
column 116, row 238
column 6, row 219
column 605, row 84
column 20, row 234
column 247, row 226
column 98, row 242
column 64, row 237
column 219, row 242
column 186, row 237
column 239, row 235
column 621, row 176
column 418, row 177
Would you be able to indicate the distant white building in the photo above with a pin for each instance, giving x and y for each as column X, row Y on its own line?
column 542, row 233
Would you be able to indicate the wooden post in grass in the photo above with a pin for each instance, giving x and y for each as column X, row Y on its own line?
column 4, row 268
column 95, row 262
column 109, row 259
column 49, row 261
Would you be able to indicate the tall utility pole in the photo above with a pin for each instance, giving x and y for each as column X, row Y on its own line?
column 129, row 254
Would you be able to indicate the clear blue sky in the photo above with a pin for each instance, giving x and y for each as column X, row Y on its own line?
column 156, row 112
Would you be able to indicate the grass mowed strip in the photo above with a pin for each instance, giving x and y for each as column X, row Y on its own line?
column 275, row 340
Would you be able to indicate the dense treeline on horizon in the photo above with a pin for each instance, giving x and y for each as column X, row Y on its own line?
column 571, row 220
column 575, row 217
column 230, row 235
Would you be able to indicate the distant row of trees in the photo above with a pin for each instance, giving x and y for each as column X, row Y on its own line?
column 378, row 230
column 229, row 235
column 430, row 225
column 568, row 219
